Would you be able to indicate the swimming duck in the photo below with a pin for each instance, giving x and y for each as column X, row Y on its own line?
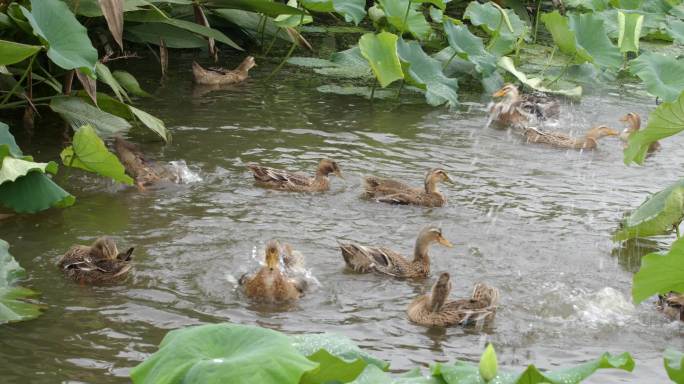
column 270, row 284
column 385, row 261
column 396, row 192
column 145, row 172
column 296, row 182
column 100, row 262
column 519, row 110
column 215, row 76
column 672, row 305
column 633, row 121
column 434, row 310
column 563, row 140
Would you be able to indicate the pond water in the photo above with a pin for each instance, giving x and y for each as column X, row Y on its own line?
column 531, row 220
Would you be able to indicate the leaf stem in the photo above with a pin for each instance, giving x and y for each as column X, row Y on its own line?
column 408, row 8
column 18, row 84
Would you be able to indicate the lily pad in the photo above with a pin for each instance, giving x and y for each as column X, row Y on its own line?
column 426, row 73
column 77, row 113
column 13, row 304
column 660, row 274
column 674, row 365
column 224, row 353
column 663, row 75
column 381, row 52
column 658, row 215
column 535, row 82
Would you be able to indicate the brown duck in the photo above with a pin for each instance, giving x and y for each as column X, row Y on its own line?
column 518, row 110
column 396, row 192
column 270, row 283
column 296, row 182
column 563, row 140
column 633, row 121
column 100, row 262
column 145, row 172
column 672, row 305
column 385, row 261
column 221, row 76
column 434, row 310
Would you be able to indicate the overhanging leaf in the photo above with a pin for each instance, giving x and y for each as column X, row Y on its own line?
column 535, row 82
column 129, row 82
column 674, row 365
column 33, row 193
column 78, row 113
column 88, row 152
column 12, row 52
column 663, row 75
column 113, row 12
column 381, row 52
column 104, row 75
column 12, row 169
column 426, row 73
column 151, row 122
column 658, row 215
column 414, row 22
column 660, row 274
column 13, row 306
column 153, row 33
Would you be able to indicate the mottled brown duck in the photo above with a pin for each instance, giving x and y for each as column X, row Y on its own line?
column 434, row 310
column 222, row 76
column 296, row 182
column 145, row 172
column 270, row 283
column 396, row 192
column 633, row 121
column 385, row 261
column 100, row 262
column 672, row 305
column 563, row 140
column 519, row 110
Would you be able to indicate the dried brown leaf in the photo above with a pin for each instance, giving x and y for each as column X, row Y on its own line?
column 113, row 13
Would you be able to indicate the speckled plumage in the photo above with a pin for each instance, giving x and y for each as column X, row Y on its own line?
column 221, row 76
column 396, row 192
column 295, row 182
column 97, row 263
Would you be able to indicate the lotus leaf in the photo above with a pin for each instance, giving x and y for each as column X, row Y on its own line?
column 629, row 31
column 13, row 306
column 658, row 215
column 674, row 365
column 374, row 375
column 77, row 112
column 413, row 22
column 426, row 73
column 128, row 82
column 381, row 52
column 535, row 82
column 660, row 274
column 663, row 75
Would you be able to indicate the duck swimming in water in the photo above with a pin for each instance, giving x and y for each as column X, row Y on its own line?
column 270, row 283
column 519, row 110
column 100, row 262
column 296, row 182
column 221, row 76
column 145, row 172
column 396, row 192
column 563, row 140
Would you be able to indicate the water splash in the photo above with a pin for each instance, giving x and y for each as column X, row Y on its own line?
column 605, row 307
column 183, row 173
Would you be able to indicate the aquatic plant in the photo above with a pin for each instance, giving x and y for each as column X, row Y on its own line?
column 13, row 298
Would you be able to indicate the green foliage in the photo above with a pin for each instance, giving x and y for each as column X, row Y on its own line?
column 352, row 10
column 660, row 274
column 381, row 52
column 412, row 21
column 503, row 25
column 488, row 364
column 629, row 27
column 665, row 121
column 674, row 365
column 129, row 83
column 222, row 353
column 12, row 52
column 470, row 47
column 374, row 375
column 77, row 112
column 535, row 82
column 663, row 75
column 89, row 153
column 426, row 73
column 13, row 304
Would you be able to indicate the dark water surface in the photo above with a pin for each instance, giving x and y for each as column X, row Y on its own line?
column 531, row 220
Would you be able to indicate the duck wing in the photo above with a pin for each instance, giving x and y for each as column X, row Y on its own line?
column 402, row 198
column 377, row 186
column 541, row 105
column 365, row 259
column 279, row 176
column 292, row 259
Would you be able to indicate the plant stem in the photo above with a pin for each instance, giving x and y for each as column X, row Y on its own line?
column 449, row 61
column 563, row 72
column 536, row 22
column 372, row 93
column 21, row 103
column 18, row 84
column 275, row 36
column 408, row 8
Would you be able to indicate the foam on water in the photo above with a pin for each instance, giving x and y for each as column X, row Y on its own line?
column 184, row 174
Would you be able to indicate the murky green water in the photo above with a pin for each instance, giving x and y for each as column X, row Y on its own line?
column 533, row 221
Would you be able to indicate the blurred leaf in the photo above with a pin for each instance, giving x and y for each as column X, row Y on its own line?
column 113, row 12
column 381, row 52
column 153, row 33
column 470, row 47
column 12, row 52
column 426, row 73
column 129, row 82
column 33, row 193
column 629, row 31
column 663, row 75
column 504, row 31
column 13, row 168
column 151, row 122
column 535, row 82
column 78, row 113
column 68, row 43
column 267, row 7
column 374, row 375
column 92, row 8
column 658, row 215
column 674, row 365
column 675, row 28
column 104, row 75
column 89, row 153
column 13, row 306
column 488, row 363
column 251, row 23
column 414, row 23
column 660, row 274
column 6, row 138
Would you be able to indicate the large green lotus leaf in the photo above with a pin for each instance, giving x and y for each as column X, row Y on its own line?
column 663, row 75
column 223, row 353
column 152, row 122
column 105, row 75
column 658, row 215
column 173, row 37
column 426, row 73
column 284, row 21
column 348, row 64
column 381, row 52
column 129, row 83
column 665, row 121
column 470, row 47
column 77, row 113
column 629, row 25
column 33, row 193
column 267, row 7
column 674, row 365
column 12, row 169
column 12, row 52
column 535, row 82
column 660, row 274
column 352, row 10
column 414, row 22
column 12, row 304
column 465, row 373
column 374, row 375
column 88, row 152
column 675, row 28
column 6, row 138
column 504, row 31
column 68, row 43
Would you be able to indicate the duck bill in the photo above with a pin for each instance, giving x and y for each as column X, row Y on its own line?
column 448, row 179
column 499, row 93
column 126, row 256
column 613, row 132
column 444, row 242
column 272, row 261
column 339, row 174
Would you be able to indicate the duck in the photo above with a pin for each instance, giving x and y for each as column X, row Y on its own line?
column 396, row 192
column 384, row 261
column 100, row 262
column 145, row 172
column 563, row 140
column 672, row 305
column 519, row 110
column 270, row 283
column 296, row 182
column 633, row 121
column 222, row 76
column 433, row 309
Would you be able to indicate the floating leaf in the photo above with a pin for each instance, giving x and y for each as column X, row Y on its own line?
column 660, row 274
column 674, row 365
column 223, row 353
column 381, row 52
column 129, row 83
column 426, row 73
column 12, row 52
column 78, row 113
column 13, row 306
column 663, row 75
column 629, row 26
column 68, row 43
column 414, row 22
column 535, row 82
column 658, row 215
column 88, row 152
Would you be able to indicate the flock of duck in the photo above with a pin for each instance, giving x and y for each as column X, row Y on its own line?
column 279, row 280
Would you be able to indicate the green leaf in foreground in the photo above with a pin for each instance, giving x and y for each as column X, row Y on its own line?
column 68, row 43
column 11, row 169
column 426, row 73
column 414, row 22
column 470, row 47
column 488, row 363
column 663, row 75
column 12, row 52
column 33, row 193
column 6, row 138
column 660, row 274
column 223, row 353
column 78, row 112
column 381, row 52
column 674, row 365
column 88, row 152
column 374, row 375
column 665, row 121
column 13, row 306
column 461, row 372
column 535, row 82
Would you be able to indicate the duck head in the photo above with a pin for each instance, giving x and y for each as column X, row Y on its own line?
column 328, row 166
column 272, row 254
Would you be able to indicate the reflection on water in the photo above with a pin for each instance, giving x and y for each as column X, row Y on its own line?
column 531, row 220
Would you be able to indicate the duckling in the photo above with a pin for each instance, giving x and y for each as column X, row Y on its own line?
column 396, row 192
column 100, row 262
column 434, row 311
column 214, row 76
column 562, row 140
column 519, row 110
column 385, row 261
column 145, row 172
column 672, row 305
column 633, row 121
column 270, row 284
column 296, row 182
